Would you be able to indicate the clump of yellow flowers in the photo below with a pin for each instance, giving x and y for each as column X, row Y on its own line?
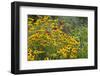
column 47, row 40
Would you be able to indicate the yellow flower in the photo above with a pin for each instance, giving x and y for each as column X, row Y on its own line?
column 36, row 23
column 30, row 57
column 35, row 51
column 74, row 50
column 64, row 55
column 63, row 49
column 68, row 46
column 73, row 56
column 46, row 58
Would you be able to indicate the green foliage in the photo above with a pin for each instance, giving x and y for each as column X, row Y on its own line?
column 78, row 28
